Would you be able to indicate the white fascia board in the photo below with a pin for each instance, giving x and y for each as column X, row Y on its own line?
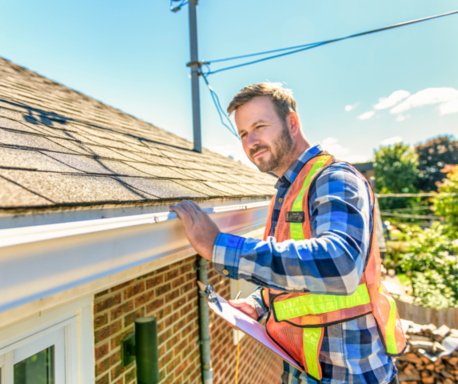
column 38, row 262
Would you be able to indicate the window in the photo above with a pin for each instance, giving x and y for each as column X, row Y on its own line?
column 55, row 348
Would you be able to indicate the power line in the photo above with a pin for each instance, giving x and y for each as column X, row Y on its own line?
column 305, row 47
column 220, row 110
column 176, row 8
column 424, row 217
column 381, row 196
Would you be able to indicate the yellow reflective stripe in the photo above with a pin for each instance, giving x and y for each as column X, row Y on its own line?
column 297, row 232
column 316, row 304
column 391, row 345
column 311, row 339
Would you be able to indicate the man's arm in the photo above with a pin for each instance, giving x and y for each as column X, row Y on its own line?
column 331, row 262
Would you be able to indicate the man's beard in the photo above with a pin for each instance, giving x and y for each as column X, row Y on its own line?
column 281, row 148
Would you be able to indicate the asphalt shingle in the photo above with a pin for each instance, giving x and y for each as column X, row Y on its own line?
column 60, row 147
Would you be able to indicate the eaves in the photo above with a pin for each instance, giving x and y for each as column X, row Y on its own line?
column 41, row 263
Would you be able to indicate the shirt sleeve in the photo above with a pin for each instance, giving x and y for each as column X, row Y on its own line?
column 331, row 262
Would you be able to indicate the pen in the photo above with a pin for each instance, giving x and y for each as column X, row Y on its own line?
column 238, row 295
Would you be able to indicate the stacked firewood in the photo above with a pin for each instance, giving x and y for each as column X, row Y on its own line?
column 426, row 360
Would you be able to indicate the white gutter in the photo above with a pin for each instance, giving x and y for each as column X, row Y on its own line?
column 41, row 261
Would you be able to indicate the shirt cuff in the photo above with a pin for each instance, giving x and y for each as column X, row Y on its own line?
column 256, row 299
column 226, row 255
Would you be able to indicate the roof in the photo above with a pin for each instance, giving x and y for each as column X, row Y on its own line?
column 363, row 167
column 59, row 147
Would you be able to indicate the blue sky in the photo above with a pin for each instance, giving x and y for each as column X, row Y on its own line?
column 132, row 55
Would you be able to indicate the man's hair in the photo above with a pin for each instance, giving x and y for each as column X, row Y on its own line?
column 282, row 98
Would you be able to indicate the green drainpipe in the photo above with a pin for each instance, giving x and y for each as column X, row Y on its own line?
column 204, row 322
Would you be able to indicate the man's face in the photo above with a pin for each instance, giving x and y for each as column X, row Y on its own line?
column 265, row 139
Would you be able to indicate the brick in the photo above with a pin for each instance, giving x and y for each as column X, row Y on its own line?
column 100, row 321
column 134, row 290
column 163, row 289
column 122, row 309
column 102, row 366
column 116, row 341
column 154, row 282
column 100, row 294
column 107, row 303
column 154, row 305
column 144, row 298
column 121, row 286
column 129, row 319
column 117, row 371
column 103, row 380
column 102, row 351
column 130, row 376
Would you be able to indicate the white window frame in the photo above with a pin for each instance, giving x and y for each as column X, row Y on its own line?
column 69, row 329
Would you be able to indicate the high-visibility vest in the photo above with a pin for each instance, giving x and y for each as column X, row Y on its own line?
column 296, row 321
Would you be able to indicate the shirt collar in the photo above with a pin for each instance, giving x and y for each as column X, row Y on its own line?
column 296, row 167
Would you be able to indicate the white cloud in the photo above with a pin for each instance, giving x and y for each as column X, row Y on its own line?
column 391, row 140
column 349, row 108
column 402, row 117
column 448, row 107
column 393, row 99
column 331, row 144
column 446, row 97
column 366, row 115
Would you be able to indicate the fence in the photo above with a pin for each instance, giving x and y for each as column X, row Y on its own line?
column 422, row 315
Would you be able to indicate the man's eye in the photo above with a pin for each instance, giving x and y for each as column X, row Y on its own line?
column 260, row 126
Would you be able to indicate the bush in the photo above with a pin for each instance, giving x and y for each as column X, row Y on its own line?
column 433, row 266
column 445, row 203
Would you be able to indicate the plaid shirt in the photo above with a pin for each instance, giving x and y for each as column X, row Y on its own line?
column 331, row 262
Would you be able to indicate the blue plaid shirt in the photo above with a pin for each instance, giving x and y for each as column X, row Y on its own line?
column 331, row 262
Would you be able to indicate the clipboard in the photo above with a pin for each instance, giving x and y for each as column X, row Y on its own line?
column 247, row 325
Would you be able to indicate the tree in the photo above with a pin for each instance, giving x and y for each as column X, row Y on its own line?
column 445, row 203
column 395, row 169
column 433, row 156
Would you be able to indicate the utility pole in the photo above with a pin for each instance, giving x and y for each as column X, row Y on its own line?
column 195, row 66
column 204, row 319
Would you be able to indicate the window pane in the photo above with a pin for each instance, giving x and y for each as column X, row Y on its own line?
column 36, row 369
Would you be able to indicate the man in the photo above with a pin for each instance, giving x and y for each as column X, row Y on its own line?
column 318, row 266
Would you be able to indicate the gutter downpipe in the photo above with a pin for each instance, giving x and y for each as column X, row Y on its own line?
column 204, row 326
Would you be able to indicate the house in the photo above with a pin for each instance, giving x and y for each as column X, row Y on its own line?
column 87, row 242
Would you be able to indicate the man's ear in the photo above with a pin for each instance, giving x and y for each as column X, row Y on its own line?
column 294, row 123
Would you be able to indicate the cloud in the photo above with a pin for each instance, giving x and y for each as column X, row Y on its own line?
column 393, row 99
column 448, row 107
column 349, row 108
column 391, row 140
column 402, row 117
column 331, row 144
column 446, row 97
column 366, row 115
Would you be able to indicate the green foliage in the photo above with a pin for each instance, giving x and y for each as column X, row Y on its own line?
column 433, row 266
column 395, row 169
column 434, row 155
column 445, row 203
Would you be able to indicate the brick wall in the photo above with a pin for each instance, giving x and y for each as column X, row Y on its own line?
column 170, row 294
column 256, row 363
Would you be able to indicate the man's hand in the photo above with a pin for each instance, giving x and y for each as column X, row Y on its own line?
column 246, row 306
column 200, row 230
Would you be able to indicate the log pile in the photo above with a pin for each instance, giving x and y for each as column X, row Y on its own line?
column 425, row 360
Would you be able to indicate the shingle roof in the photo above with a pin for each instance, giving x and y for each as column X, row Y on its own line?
column 59, row 147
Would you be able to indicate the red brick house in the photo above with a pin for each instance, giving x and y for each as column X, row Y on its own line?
column 87, row 243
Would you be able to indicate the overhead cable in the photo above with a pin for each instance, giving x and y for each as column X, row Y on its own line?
column 222, row 115
column 305, row 47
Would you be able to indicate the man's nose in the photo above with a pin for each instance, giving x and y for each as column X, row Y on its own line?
column 252, row 140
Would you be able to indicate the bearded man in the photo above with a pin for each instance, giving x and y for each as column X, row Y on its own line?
column 318, row 267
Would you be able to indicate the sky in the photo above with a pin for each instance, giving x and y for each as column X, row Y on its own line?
column 352, row 96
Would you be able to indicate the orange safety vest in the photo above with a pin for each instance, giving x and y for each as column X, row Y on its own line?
column 296, row 321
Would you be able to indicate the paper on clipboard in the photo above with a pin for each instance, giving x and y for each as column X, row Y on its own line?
column 247, row 325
